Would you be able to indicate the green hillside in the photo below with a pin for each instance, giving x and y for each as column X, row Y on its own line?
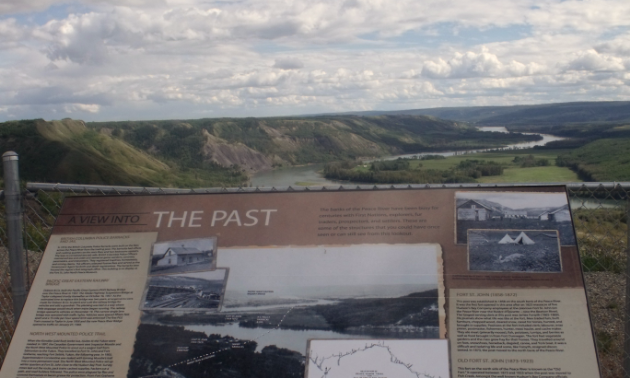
column 67, row 151
column 601, row 160
column 260, row 143
column 221, row 152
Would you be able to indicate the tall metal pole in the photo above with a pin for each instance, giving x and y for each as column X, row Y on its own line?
column 626, row 344
column 13, row 204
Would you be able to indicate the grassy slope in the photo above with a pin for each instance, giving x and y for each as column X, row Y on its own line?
column 66, row 151
column 602, row 160
column 602, row 236
column 533, row 174
column 96, row 158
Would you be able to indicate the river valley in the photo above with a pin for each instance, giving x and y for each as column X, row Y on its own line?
column 309, row 174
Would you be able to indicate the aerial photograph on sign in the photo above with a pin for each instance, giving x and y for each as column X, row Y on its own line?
column 378, row 358
column 181, row 256
column 514, row 251
column 277, row 299
column 189, row 291
column 513, row 211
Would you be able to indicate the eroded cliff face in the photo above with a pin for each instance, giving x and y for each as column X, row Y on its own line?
column 332, row 139
column 221, row 152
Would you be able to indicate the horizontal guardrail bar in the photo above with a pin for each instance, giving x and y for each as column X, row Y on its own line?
column 114, row 189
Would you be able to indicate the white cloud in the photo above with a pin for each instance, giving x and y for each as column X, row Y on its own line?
column 89, row 108
column 471, row 64
column 591, row 60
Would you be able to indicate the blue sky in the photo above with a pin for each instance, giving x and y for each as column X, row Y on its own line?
column 158, row 59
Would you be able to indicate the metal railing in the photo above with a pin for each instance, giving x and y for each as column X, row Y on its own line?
column 600, row 213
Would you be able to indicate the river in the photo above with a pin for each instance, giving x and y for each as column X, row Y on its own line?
column 297, row 340
column 282, row 338
column 308, row 174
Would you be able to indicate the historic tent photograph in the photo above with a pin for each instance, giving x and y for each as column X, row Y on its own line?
column 181, row 256
column 514, row 251
column 513, row 211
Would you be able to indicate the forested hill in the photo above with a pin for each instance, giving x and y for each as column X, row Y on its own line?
column 263, row 143
column 215, row 152
column 530, row 117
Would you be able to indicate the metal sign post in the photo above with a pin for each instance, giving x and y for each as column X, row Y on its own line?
column 13, row 202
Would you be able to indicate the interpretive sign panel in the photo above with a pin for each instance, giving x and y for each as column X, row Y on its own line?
column 361, row 284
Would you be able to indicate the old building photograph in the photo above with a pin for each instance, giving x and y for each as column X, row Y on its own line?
column 513, row 210
column 180, row 256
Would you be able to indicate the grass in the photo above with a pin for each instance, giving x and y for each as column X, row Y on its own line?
column 533, row 174
column 602, row 236
column 512, row 172
column 605, row 342
column 531, row 165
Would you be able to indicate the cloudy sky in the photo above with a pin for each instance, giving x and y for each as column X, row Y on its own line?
column 157, row 59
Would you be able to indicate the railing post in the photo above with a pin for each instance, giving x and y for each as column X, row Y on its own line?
column 13, row 205
column 626, row 344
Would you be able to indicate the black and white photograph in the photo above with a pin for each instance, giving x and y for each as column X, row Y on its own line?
column 189, row 291
column 181, row 256
column 530, row 251
column 278, row 298
column 513, row 211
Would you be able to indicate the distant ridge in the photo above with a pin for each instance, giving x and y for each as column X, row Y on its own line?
column 549, row 115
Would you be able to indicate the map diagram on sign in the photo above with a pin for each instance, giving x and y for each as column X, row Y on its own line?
column 378, row 359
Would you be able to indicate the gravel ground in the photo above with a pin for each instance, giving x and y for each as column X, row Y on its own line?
column 606, row 295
